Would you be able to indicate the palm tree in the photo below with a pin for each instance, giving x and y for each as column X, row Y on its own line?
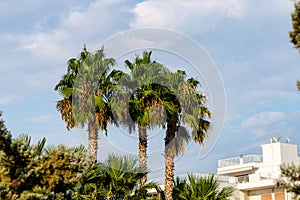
column 87, row 89
column 173, row 94
column 190, row 110
column 202, row 188
column 143, row 74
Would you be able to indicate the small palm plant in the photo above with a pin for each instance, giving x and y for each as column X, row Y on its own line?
column 117, row 178
column 200, row 188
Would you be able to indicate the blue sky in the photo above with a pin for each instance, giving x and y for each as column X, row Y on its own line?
column 247, row 40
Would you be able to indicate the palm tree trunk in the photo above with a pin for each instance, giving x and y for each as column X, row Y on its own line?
column 169, row 159
column 93, row 140
column 143, row 152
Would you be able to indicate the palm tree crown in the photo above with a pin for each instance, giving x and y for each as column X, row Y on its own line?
column 200, row 188
column 87, row 89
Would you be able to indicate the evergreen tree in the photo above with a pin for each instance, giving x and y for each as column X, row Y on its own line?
column 29, row 171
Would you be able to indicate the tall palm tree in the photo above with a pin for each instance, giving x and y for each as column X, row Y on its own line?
column 202, row 188
column 87, row 88
column 173, row 93
column 191, row 111
column 143, row 74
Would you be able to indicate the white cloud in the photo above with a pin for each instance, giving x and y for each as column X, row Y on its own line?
column 267, row 7
column 263, row 119
column 36, row 59
column 188, row 16
column 258, row 128
column 91, row 26
column 199, row 16
column 41, row 118
column 271, row 124
column 7, row 99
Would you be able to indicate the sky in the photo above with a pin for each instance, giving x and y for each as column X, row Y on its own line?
column 247, row 41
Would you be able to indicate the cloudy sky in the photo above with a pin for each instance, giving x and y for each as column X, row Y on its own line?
column 247, row 40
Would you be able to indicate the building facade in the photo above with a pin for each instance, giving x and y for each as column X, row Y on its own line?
column 254, row 176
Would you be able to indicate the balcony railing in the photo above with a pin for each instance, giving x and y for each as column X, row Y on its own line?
column 240, row 160
column 253, row 178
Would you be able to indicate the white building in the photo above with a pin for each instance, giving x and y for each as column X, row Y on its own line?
column 255, row 175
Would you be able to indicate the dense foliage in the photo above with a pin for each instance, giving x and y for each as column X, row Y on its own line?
column 117, row 178
column 30, row 171
column 290, row 179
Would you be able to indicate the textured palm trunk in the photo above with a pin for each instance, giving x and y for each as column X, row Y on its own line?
column 169, row 159
column 143, row 152
column 93, row 140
